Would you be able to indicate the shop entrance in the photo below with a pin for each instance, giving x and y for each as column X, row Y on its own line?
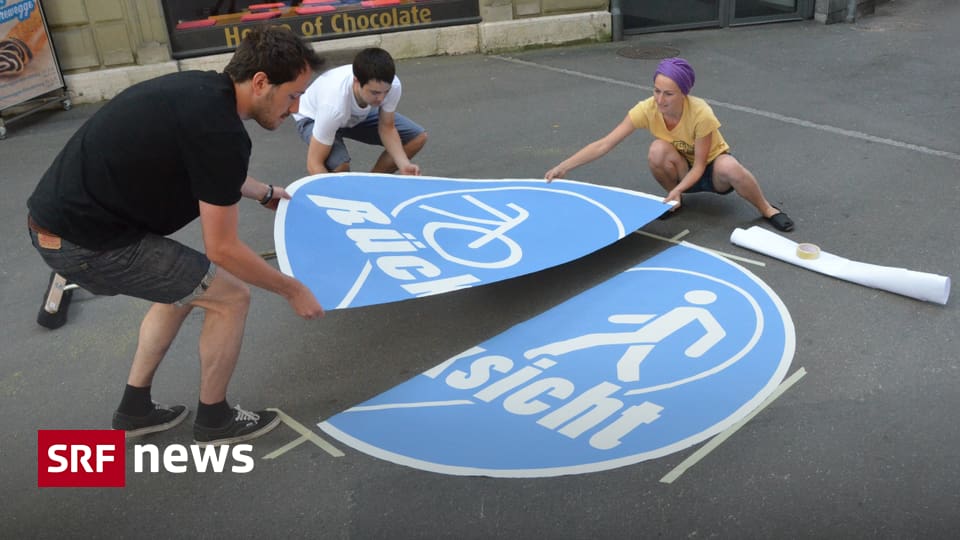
column 643, row 16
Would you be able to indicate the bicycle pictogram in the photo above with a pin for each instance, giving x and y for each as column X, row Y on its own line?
column 481, row 251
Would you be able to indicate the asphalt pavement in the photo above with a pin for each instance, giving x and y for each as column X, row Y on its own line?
column 853, row 129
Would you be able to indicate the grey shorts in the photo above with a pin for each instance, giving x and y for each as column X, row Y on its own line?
column 365, row 132
column 156, row 268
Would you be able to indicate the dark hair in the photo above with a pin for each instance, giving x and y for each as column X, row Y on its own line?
column 374, row 64
column 274, row 50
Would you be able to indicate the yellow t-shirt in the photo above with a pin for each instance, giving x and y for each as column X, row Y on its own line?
column 697, row 121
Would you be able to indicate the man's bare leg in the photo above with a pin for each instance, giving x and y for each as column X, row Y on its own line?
column 385, row 164
column 226, row 304
column 157, row 332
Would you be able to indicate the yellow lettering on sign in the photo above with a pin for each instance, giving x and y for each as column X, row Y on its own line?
column 395, row 17
column 312, row 28
column 231, row 35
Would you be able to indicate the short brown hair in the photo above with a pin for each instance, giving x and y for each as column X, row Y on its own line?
column 274, row 50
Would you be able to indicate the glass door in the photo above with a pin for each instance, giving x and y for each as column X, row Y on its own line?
column 760, row 11
column 641, row 16
column 644, row 16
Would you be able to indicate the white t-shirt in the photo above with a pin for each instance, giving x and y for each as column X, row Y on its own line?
column 329, row 101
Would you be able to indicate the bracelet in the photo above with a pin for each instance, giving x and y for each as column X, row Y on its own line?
column 269, row 196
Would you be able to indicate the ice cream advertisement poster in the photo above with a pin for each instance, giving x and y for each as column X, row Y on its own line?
column 28, row 68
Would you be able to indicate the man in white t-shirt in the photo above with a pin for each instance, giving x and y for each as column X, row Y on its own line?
column 358, row 102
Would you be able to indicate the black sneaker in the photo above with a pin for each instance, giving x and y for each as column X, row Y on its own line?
column 244, row 425
column 161, row 418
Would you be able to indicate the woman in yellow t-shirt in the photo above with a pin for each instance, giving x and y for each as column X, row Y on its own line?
column 688, row 155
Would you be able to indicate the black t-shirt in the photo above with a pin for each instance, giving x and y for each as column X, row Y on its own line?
column 143, row 161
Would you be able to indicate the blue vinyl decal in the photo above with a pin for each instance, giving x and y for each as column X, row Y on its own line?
column 362, row 239
column 652, row 361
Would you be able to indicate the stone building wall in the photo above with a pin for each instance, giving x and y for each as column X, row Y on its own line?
column 98, row 34
column 92, row 35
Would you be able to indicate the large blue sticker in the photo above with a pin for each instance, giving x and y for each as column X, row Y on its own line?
column 362, row 239
column 654, row 360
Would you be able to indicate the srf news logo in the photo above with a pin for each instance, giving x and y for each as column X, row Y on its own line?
column 97, row 458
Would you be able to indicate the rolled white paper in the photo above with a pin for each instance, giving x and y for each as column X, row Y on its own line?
column 919, row 285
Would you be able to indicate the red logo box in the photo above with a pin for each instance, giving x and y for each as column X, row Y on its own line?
column 81, row 458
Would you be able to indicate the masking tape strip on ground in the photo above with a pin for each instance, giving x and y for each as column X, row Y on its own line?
column 724, row 435
column 306, row 434
column 676, row 240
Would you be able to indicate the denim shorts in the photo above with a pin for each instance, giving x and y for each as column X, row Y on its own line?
column 156, row 268
column 366, row 132
column 706, row 181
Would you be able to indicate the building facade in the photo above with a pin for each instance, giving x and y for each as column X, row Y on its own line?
column 104, row 46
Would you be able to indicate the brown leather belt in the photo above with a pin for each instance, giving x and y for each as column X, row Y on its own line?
column 45, row 238
column 37, row 228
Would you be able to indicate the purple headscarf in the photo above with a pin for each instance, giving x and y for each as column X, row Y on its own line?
column 679, row 71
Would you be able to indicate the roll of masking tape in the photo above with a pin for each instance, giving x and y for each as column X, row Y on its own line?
column 808, row 251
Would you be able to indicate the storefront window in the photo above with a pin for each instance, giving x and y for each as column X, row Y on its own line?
column 644, row 16
column 661, row 13
column 214, row 26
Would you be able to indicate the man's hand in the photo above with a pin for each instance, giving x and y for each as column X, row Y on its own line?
column 278, row 193
column 556, row 172
column 411, row 169
column 304, row 303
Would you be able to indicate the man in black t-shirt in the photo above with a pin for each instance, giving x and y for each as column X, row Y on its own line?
column 157, row 156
